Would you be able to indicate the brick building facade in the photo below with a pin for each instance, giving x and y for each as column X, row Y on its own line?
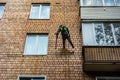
column 20, row 27
column 15, row 24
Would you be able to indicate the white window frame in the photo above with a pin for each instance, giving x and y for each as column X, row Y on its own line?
column 31, row 76
column 108, row 78
column 36, row 45
column 94, row 38
column 40, row 11
column 103, row 2
column 2, row 4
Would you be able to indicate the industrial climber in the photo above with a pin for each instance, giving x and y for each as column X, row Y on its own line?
column 65, row 35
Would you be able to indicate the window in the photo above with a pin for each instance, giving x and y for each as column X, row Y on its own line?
column 97, row 3
column 92, row 2
column 2, row 7
column 108, row 78
column 109, row 2
column 32, row 78
column 117, row 2
column 103, row 34
column 100, row 2
column 36, row 44
column 87, row 2
column 40, row 11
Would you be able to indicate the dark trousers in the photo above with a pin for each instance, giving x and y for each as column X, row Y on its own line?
column 69, row 40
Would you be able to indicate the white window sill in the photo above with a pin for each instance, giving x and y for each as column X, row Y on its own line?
column 38, row 19
column 34, row 54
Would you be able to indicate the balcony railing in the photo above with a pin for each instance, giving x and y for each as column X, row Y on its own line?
column 101, row 58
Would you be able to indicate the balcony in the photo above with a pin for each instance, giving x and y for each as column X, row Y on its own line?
column 99, row 13
column 101, row 58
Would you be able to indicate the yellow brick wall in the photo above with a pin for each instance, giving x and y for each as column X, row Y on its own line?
column 56, row 65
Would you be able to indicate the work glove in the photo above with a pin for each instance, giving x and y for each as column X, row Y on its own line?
column 68, row 35
column 56, row 34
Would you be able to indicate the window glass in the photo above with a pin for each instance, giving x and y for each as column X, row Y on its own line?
column 108, row 78
column 2, row 7
column 109, row 2
column 32, row 78
column 100, row 2
column 117, row 32
column 45, row 12
column 97, row 3
column 117, row 2
column 30, row 42
column 87, row 2
column 88, row 35
column 99, row 34
column 43, row 44
column 35, row 12
column 40, row 11
column 105, row 34
column 108, row 34
column 36, row 45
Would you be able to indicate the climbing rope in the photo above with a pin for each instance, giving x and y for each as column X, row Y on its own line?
column 68, row 54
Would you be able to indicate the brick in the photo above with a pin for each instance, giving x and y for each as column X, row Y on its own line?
column 14, row 27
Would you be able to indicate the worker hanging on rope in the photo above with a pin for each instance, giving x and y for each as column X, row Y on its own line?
column 65, row 35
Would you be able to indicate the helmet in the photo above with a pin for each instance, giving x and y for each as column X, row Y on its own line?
column 62, row 25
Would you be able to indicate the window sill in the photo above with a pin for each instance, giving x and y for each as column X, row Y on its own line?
column 32, row 77
column 99, row 6
column 39, row 19
column 34, row 54
column 100, row 46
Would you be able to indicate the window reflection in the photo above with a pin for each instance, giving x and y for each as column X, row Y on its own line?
column 117, row 32
column 43, row 44
column 100, row 2
column 108, row 34
column 2, row 7
column 109, row 2
column 45, row 12
column 40, row 11
column 30, row 42
column 36, row 44
column 87, row 2
column 35, row 11
column 99, row 34
column 117, row 2
column 97, row 3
